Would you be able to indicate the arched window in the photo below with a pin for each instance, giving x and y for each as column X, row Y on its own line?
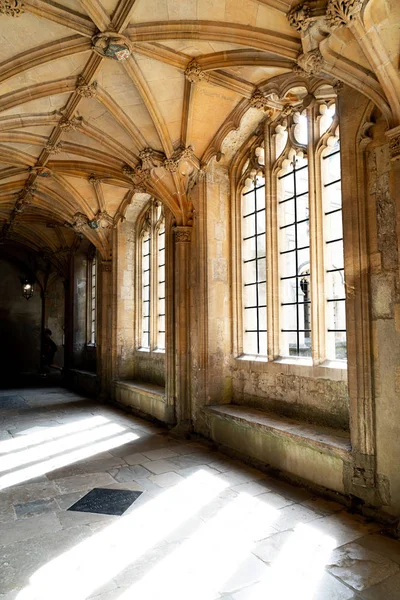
column 292, row 251
column 152, row 278
column 254, row 260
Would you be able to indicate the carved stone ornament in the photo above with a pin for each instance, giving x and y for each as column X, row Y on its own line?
column 194, row 73
column 150, row 158
column 171, row 164
column 111, row 45
column 394, row 143
column 139, row 176
column 11, row 8
column 41, row 171
column 86, row 90
column 299, row 17
column 68, row 125
column 258, row 100
column 54, row 148
column 101, row 221
column 183, row 234
column 311, row 62
column 79, row 223
column 106, row 266
column 341, row 12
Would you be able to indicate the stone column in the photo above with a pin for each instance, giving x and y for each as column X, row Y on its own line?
column 182, row 238
column 104, row 328
column 393, row 136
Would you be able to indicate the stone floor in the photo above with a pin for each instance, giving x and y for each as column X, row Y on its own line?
column 206, row 527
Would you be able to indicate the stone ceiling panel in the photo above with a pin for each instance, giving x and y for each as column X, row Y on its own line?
column 211, row 106
column 28, row 31
column 51, row 71
column 99, row 117
column 41, row 105
column 113, row 196
column 255, row 75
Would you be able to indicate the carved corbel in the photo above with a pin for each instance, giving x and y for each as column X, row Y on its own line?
column 299, row 17
column 84, row 89
column 261, row 102
column 54, row 148
column 79, row 223
column 106, row 266
column 101, row 221
column 393, row 136
column 182, row 234
column 310, row 63
column 11, row 8
column 69, row 125
column 194, row 73
column 340, row 13
column 150, row 158
column 139, row 176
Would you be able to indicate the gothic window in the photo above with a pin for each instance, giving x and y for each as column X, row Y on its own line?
column 254, row 264
column 152, row 278
column 292, row 276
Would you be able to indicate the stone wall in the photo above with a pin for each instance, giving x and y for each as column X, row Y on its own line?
column 383, row 196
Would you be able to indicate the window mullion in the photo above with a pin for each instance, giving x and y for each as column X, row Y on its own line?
column 271, row 228
column 317, row 279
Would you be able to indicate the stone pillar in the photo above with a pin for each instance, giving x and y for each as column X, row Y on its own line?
column 183, row 236
column 104, row 328
column 393, row 136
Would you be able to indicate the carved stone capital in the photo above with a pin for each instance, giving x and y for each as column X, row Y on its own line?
column 106, row 266
column 54, row 148
column 150, row 158
column 258, row 100
column 311, row 62
column 11, row 8
column 341, row 12
column 393, row 136
column 194, row 73
column 139, row 176
column 299, row 17
column 182, row 234
column 111, row 45
column 84, row 89
column 171, row 164
column 68, row 125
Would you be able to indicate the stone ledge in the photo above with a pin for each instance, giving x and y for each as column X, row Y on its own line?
column 82, row 372
column 325, row 439
column 148, row 389
column 145, row 399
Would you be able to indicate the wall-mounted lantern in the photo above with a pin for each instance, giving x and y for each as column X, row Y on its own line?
column 27, row 287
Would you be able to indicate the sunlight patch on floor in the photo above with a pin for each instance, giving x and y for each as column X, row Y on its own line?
column 76, row 574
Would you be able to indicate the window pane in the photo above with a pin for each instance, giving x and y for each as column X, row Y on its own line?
column 294, row 264
column 250, row 343
column 249, row 226
column 334, row 255
column 254, row 272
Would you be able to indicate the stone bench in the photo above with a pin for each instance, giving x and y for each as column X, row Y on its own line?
column 310, row 452
column 144, row 398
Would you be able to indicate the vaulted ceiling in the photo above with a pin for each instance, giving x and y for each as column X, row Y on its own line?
column 81, row 132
